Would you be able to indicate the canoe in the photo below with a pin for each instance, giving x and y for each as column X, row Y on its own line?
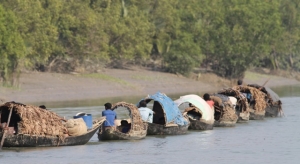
column 274, row 104
column 167, row 118
column 137, row 130
column 34, row 127
column 257, row 104
column 242, row 107
column 199, row 113
column 225, row 115
column 25, row 140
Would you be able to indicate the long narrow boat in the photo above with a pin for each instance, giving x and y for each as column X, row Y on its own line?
column 225, row 115
column 274, row 104
column 167, row 118
column 200, row 114
column 137, row 130
column 242, row 107
column 37, row 137
column 257, row 103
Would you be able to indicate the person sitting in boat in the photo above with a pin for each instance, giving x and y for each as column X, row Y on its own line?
column 248, row 96
column 110, row 116
column 125, row 126
column 206, row 97
column 146, row 113
column 240, row 82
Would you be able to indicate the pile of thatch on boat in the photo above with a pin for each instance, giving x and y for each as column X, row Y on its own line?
column 33, row 120
column 274, row 104
column 34, row 126
column 137, row 130
column 199, row 113
column 167, row 118
column 224, row 111
column 257, row 102
column 242, row 107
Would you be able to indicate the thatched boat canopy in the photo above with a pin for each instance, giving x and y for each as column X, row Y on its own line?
column 32, row 120
column 257, row 95
column 272, row 97
column 223, row 107
column 136, row 120
column 241, row 99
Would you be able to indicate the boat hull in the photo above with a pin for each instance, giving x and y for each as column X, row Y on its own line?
column 24, row 140
column 200, row 125
column 113, row 134
column 157, row 129
column 243, row 117
column 254, row 115
column 225, row 123
column 272, row 111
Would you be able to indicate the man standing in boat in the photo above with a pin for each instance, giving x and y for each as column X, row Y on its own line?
column 110, row 116
column 146, row 113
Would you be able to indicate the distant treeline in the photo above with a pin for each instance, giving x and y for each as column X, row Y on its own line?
column 176, row 36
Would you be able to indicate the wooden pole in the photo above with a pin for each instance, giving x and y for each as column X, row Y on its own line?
column 5, row 129
column 266, row 82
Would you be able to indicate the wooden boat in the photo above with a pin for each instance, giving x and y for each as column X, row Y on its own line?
column 167, row 118
column 34, row 137
column 225, row 115
column 137, row 130
column 274, row 104
column 241, row 107
column 257, row 103
column 199, row 113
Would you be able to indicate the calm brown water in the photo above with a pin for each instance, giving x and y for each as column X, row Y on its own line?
column 273, row 140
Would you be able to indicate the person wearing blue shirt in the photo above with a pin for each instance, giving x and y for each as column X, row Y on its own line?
column 126, row 126
column 146, row 113
column 110, row 115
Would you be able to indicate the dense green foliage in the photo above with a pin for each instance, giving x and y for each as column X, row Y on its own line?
column 229, row 36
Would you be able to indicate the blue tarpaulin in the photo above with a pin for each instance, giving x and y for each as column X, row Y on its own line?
column 172, row 112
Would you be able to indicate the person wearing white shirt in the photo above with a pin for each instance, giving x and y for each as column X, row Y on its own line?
column 146, row 113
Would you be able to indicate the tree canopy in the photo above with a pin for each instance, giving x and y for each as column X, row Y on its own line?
column 175, row 36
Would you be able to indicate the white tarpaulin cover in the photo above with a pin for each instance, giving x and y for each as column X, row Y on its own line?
column 197, row 101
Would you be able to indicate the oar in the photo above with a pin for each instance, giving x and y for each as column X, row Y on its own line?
column 5, row 129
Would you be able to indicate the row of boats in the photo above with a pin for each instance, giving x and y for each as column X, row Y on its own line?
column 34, row 126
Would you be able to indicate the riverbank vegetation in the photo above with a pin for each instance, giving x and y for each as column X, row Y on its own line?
column 225, row 36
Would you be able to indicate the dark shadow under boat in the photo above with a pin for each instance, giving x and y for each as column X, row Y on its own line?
column 135, row 127
column 167, row 118
column 199, row 113
column 34, row 140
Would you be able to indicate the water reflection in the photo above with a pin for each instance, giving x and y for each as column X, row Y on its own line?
column 288, row 91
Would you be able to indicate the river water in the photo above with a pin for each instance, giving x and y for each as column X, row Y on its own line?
column 273, row 140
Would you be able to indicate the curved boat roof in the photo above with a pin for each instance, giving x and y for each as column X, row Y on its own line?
column 136, row 120
column 201, row 104
column 273, row 95
column 171, row 110
column 266, row 90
